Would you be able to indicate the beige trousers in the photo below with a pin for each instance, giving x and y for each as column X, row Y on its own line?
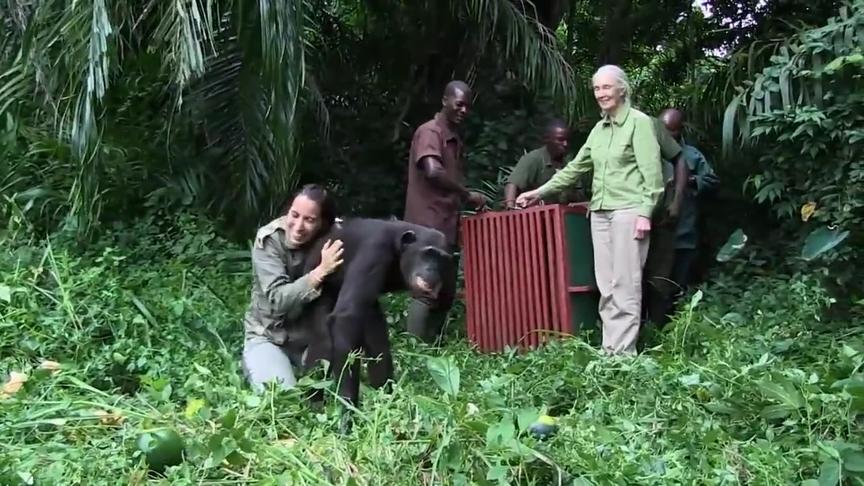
column 618, row 262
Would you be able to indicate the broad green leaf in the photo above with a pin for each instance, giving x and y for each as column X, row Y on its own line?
column 733, row 245
column 501, row 433
column 721, row 408
column 784, row 393
column 733, row 318
column 839, row 62
column 810, row 482
column 445, row 373
column 729, row 124
column 822, row 240
column 5, row 293
column 229, row 419
column 829, row 473
column 853, row 461
column 526, row 417
column 496, row 473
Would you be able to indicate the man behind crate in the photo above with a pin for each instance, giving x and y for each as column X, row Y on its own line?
column 673, row 247
column 435, row 194
column 539, row 165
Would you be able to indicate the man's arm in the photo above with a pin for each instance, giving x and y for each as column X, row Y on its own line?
column 510, row 193
column 517, row 180
column 704, row 179
column 682, row 175
column 434, row 171
column 672, row 151
column 428, row 146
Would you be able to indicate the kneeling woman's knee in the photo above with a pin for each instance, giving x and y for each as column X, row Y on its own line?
column 265, row 362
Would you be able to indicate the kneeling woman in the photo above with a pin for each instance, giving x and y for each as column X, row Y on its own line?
column 280, row 290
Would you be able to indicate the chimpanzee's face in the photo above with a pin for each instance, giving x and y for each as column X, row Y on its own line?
column 424, row 261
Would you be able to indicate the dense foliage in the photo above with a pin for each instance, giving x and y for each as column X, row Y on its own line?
column 748, row 386
column 804, row 113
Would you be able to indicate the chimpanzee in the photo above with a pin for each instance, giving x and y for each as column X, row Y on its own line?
column 379, row 257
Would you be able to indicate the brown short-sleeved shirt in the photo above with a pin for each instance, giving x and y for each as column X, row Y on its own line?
column 425, row 203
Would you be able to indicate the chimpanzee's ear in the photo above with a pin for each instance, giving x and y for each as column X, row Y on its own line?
column 407, row 237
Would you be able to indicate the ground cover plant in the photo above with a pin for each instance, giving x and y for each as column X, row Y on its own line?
column 133, row 344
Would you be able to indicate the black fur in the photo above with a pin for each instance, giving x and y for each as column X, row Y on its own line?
column 379, row 257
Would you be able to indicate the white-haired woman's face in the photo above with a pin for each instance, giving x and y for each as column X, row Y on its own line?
column 607, row 91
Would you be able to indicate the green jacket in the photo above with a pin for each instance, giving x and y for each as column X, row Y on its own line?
column 279, row 287
column 624, row 154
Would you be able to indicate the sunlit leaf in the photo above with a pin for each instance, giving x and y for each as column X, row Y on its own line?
column 193, row 406
column 807, row 210
column 775, row 412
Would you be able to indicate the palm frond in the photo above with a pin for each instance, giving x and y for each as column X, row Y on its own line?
column 248, row 101
column 185, row 28
column 528, row 44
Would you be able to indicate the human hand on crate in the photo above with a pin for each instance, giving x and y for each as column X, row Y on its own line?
column 528, row 198
column 477, row 200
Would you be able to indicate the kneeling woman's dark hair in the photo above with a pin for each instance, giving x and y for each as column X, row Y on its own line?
column 320, row 196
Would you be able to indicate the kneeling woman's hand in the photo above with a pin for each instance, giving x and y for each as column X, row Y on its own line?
column 331, row 258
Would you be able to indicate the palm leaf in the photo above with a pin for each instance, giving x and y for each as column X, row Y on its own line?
column 526, row 43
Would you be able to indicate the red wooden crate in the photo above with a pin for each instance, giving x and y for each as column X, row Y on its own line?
column 518, row 273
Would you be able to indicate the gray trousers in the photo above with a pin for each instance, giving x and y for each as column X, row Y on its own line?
column 265, row 361
column 618, row 262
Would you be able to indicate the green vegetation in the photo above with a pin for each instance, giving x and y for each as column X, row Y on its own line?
column 142, row 142
column 748, row 386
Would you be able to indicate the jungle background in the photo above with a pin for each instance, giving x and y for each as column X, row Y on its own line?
column 143, row 141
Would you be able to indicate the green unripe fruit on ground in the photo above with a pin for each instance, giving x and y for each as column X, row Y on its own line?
column 544, row 427
column 162, row 448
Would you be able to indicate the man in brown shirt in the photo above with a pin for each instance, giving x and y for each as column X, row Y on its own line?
column 436, row 193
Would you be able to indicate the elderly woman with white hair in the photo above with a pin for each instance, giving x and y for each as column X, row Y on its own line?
column 624, row 154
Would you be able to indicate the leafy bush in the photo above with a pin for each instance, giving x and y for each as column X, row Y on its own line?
column 804, row 111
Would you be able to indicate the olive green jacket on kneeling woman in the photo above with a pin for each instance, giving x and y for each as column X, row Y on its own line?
column 279, row 287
